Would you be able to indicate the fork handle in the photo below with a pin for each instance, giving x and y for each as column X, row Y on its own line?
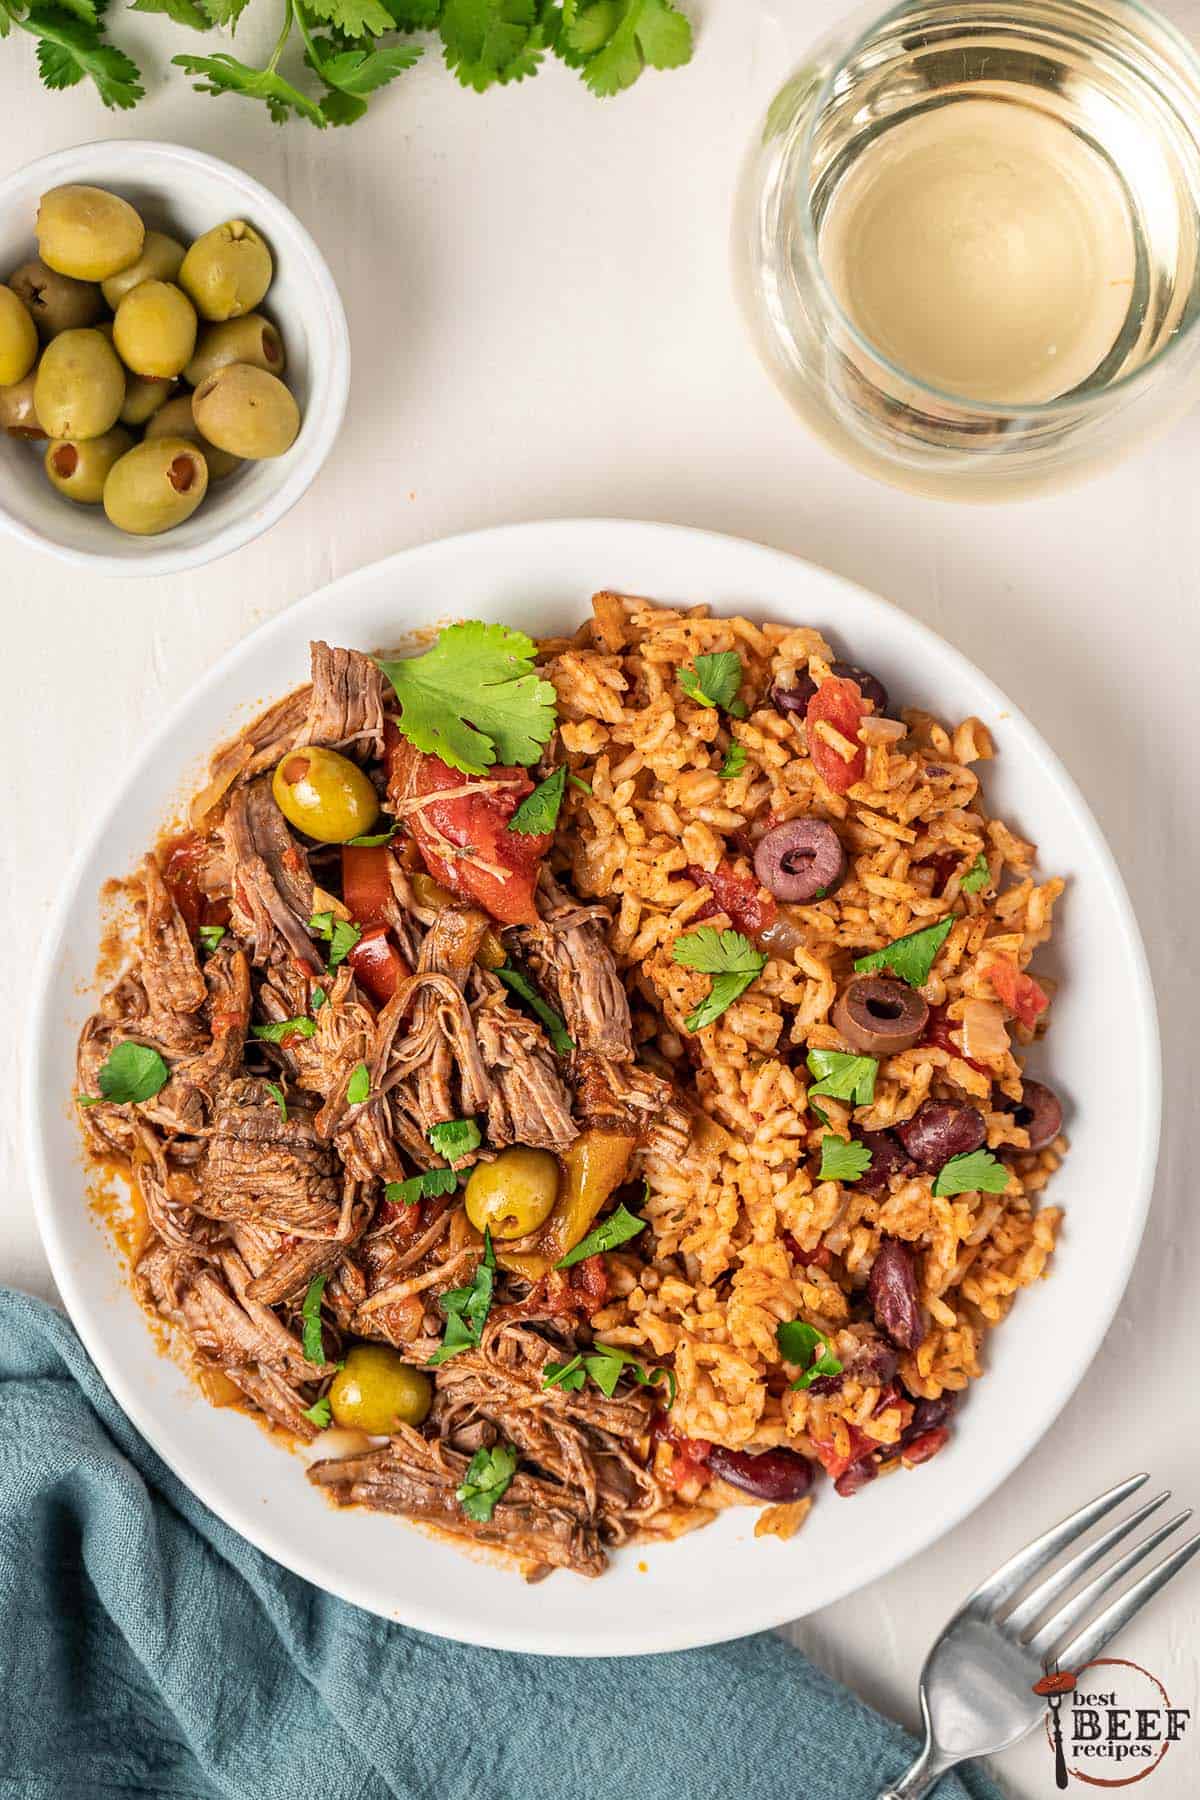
column 920, row 1777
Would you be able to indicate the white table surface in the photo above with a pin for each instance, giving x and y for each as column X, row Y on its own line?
column 542, row 324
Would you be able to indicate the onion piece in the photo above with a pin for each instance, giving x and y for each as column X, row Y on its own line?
column 337, row 1442
column 984, row 1034
column 782, row 935
column 877, row 730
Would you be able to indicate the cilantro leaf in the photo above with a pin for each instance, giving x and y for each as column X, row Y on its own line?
column 488, row 1477
column 556, row 1029
column 424, row 1186
column 225, row 12
column 320, row 1413
column 732, row 961
column 843, row 1077
column 735, row 762
column 354, row 18
column 310, row 1313
column 474, row 698
column 569, row 1376
column 975, row 1172
column 467, row 1308
column 319, row 997
column 605, row 1363
column 210, row 937
column 284, row 1028
column 585, row 787
column 358, row 1088
column 616, row 39
column 130, row 1074
column 713, row 680
column 340, row 934
column 843, row 1160
column 224, row 74
column 977, row 876
column 70, row 47
column 183, row 12
column 538, row 812
column 618, row 1228
column 808, row 1348
column 279, row 1097
column 911, row 957
column 486, row 41
column 413, row 15
column 374, row 840
column 455, row 1138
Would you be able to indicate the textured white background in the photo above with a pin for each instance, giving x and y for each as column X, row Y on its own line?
column 542, row 324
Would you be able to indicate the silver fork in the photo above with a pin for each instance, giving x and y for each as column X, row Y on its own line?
column 977, row 1684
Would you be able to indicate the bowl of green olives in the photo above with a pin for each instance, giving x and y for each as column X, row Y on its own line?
column 174, row 357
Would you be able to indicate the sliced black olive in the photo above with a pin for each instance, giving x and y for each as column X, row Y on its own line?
column 879, row 1016
column 1040, row 1112
column 800, row 859
column 940, row 1129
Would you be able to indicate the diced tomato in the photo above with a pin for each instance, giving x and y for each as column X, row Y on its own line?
column 938, row 1033
column 589, row 1280
column 366, row 881
column 501, row 869
column 378, row 965
column 839, row 703
column 689, row 1459
column 834, row 1465
column 182, row 858
column 1021, row 994
column 750, row 907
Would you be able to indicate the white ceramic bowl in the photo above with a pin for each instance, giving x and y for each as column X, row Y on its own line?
column 185, row 192
column 722, row 1582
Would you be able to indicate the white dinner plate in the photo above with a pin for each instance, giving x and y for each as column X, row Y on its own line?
column 721, row 1582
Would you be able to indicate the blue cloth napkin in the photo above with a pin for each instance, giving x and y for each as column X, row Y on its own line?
column 146, row 1650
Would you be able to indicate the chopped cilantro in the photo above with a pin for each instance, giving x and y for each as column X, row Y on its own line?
column 320, row 1413
column 556, row 1029
column 467, row 1308
column 605, row 1363
column 210, row 937
column 284, row 1028
column 474, row 699
column 280, row 1099
column 977, row 876
column 358, row 1088
column 538, row 812
column 975, row 1172
column 713, row 680
column 310, row 1313
column 421, row 1187
column 488, row 1477
column 842, row 1159
column 374, row 840
column 130, row 1074
column 585, row 787
column 340, row 934
column 843, row 1077
column 911, row 957
column 618, row 1228
column 735, row 762
column 455, row 1138
column 319, row 997
column 808, row 1348
column 729, row 958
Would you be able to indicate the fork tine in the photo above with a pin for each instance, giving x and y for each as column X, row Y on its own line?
column 1089, row 1643
column 1022, row 1617
column 1012, row 1576
column 1077, row 1609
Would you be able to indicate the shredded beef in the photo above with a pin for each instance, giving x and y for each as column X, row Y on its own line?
column 530, row 1103
column 272, row 889
column 267, row 1169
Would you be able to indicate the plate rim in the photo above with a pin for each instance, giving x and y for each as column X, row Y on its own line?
column 39, row 1116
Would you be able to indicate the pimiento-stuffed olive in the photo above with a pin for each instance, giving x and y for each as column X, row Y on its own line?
column 252, row 340
column 55, row 302
column 377, row 1390
column 159, row 261
column 80, row 385
column 155, row 486
column 325, row 795
column 87, row 232
column 144, row 395
column 155, row 329
column 80, row 469
column 247, row 411
column 227, row 271
column 175, row 419
column 18, row 414
column 18, row 339
column 513, row 1195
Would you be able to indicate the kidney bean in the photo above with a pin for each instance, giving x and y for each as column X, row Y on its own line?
column 920, row 1449
column 874, row 1365
column 795, row 699
column 929, row 1415
column 940, row 1129
column 893, row 1293
column 768, row 1475
column 888, row 1158
column 869, row 686
column 856, row 1477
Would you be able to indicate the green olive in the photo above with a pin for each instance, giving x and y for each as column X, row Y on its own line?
column 377, row 1390
column 18, row 414
column 155, row 329
column 513, row 1195
column 80, row 385
column 227, row 271
column 252, row 340
column 144, row 396
column 247, row 412
column 80, row 469
column 55, row 302
column 18, row 339
column 159, row 261
column 325, row 795
column 175, row 420
column 88, row 233
column 155, row 486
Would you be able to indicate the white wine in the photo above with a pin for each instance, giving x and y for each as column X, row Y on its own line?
column 984, row 248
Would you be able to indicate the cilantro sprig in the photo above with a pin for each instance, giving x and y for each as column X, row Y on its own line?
column 279, row 1097
column 340, row 934
column 735, row 762
column 283, row 1029
column 310, row 1316
column 843, row 1159
column 320, row 1413
column 843, row 1077
column 912, row 957
column 713, row 681
column 467, row 1308
column 488, row 1478
column 72, row 45
column 455, row 1138
column 808, row 1348
column 605, row 1364
column 425, row 1186
column 474, row 698
column 129, row 1075
column 977, row 876
column 974, row 1172
column 358, row 1088
column 732, row 961
column 539, row 811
